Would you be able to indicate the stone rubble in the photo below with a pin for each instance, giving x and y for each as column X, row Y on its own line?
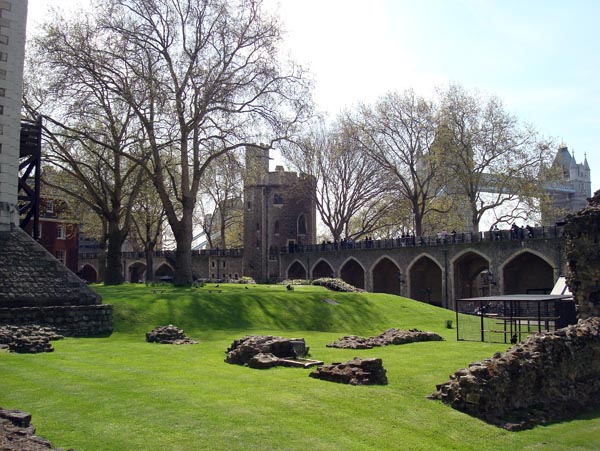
column 357, row 371
column 169, row 335
column 18, row 434
column 389, row 337
column 28, row 339
column 549, row 377
column 265, row 351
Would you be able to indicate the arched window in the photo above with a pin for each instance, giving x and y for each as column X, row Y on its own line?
column 276, row 228
column 301, row 225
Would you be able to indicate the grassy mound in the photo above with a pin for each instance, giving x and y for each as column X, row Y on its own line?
column 121, row 393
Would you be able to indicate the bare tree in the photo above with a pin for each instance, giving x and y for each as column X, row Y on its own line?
column 399, row 133
column 493, row 161
column 87, row 131
column 149, row 220
column 221, row 202
column 203, row 78
column 349, row 186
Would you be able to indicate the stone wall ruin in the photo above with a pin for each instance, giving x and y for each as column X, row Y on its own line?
column 583, row 257
column 549, row 377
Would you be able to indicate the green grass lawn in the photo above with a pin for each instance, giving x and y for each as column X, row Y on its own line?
column 121, row 393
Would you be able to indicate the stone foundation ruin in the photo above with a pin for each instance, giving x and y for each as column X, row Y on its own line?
column 354, row 372
column 35, row 288
column 389, row 337
column 267, row 351
column 549, row 377
column 28, row 339
column 169, row 335
column 18, row 434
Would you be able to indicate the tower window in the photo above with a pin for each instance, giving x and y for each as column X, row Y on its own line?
column 301, row 225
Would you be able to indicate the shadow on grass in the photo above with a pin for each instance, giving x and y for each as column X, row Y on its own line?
column 237, row 309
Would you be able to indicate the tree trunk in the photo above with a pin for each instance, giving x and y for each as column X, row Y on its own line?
column 102, row 257
column 183, row 255
column 114, row 265
column 149, row 263
column 149, row 252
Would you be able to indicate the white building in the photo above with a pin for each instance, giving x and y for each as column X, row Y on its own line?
column 13, row 17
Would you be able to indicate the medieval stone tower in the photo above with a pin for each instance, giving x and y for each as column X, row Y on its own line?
column 279, row 213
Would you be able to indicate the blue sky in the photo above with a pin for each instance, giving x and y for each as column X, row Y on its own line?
column 542, row 58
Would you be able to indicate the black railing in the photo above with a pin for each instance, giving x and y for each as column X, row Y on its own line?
column 440, row 239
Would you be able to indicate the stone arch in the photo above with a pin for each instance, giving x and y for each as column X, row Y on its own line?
column 352, row 272
column 471, row 275
column 164, row 270
column 386, row 276
column 527, row 272
column 137, row 272
column 88, row 273
column 322, row 269
column 425, row 280
column 296, row 271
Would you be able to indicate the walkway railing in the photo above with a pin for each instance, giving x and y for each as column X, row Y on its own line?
column 535, row 233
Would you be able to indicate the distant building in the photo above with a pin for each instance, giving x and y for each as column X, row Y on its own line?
column 279, row 212
column 571, row 193
column 58, row 231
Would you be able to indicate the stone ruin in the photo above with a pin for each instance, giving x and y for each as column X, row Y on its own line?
column 35, row 288
column 267, row 351
column 169, row 335
column 18, row 434
column 354, row 372
column 28, row 339
column 583, row 257
column 549, row 377
column 389, row 337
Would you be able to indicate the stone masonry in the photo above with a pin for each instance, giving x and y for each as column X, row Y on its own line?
column 583, row 257
column 549, row 377
column 35, row 288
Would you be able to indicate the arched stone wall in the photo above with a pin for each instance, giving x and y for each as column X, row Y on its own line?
column 352, row 272
column 88, row 273
column 468, row 268
column 527, row 272
column 386, row 276
column 163, row 270
column 296, row 271
column 425, row 281
column 322, row 269
column 136, row 272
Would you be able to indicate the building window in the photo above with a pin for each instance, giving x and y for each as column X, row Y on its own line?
column 278, row 199
column 249, row 205
column 60, row 256
column 3, row 56
column 276, row 228
column 3, row 39
column 301, row 225
column 212, row 263
column 61, row 232
column 2, row 92
column 223, row 264
column 49, row 207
